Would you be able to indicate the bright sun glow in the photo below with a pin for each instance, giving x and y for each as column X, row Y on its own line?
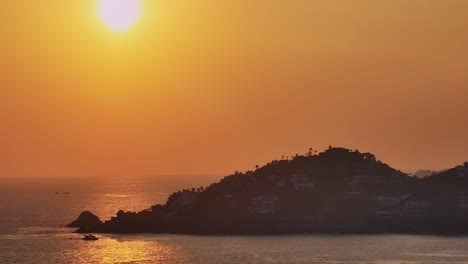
column 119, row 14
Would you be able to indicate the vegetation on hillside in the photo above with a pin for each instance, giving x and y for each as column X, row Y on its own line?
column 338, row 190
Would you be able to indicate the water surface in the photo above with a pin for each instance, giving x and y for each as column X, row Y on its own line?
column 32, row 217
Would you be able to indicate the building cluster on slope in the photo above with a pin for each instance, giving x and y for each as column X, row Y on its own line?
column 406, row 206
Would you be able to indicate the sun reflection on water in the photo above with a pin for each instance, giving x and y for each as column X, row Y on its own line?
column 111, row 250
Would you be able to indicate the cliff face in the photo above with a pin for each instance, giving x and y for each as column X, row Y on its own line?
column 338, row 190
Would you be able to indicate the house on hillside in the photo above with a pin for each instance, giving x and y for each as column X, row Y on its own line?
column 356, row 182
column 281, row 182
column 416, row 207
column 301, row 182
column 298, row 181
column 277, row 180
column 263, row 205
column 388, row 201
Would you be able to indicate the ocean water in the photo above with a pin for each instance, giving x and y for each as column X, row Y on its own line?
column 32, row 217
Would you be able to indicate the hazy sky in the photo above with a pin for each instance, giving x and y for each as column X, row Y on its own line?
column 215, row 86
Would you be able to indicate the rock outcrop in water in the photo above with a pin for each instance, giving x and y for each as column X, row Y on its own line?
column 338, row 190
column 86, row 220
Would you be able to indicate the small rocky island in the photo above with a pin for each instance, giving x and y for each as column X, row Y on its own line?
column 335, row 191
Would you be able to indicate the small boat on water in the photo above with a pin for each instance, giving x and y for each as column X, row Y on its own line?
column 90, row 238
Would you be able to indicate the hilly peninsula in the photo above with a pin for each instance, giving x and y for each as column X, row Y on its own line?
column 336, row 191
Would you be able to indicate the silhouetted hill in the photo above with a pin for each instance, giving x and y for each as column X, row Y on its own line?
column 338, row 190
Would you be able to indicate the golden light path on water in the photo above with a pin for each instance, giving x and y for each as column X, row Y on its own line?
column 136, row 251
column 184, row 249
column 295, row 249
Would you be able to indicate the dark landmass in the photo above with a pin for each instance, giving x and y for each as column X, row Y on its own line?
column 86, row 220
column 336, row 191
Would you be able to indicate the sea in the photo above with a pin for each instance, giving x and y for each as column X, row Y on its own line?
column 33, row 213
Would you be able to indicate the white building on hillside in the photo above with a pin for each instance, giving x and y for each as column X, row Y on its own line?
column 388, row 201
column 263, row 205
column 302, row 182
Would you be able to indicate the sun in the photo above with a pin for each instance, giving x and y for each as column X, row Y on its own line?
column 119, row 14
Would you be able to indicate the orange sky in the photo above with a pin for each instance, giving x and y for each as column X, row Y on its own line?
column 215, row 86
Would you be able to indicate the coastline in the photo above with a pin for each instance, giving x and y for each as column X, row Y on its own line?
column 338, row 191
